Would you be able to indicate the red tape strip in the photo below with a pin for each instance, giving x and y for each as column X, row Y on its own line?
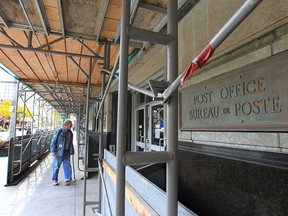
column 202, row 58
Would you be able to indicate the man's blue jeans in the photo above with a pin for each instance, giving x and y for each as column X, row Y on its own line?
column 66, row 166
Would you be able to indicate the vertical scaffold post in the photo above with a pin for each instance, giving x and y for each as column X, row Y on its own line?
column 86, row 136
column 105, row 66
column 107, row 46
column 12, row 133
column 33, row 115
column 172, row 112
column 122, row 110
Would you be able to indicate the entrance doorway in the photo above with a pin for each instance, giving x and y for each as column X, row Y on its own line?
column 150, row 127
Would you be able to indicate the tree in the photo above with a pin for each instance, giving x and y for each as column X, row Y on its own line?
column 5, row 108
column 27, row 112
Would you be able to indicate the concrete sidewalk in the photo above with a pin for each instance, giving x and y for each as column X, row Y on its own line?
column 35, row 195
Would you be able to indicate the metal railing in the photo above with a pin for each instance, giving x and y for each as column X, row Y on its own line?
column 23, row 152
column 104, row 186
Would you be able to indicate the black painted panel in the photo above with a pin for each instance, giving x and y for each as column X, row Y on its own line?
column 211, row 185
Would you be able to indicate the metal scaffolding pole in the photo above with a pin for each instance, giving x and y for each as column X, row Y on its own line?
column 80, row 137
column 42, row 115
column 122, row 110
column 108, row 84
column 39, row 114
column 106, row 66
column 3, row 46
column 207, row 52
column 51, row 119
column 33, row 113
column 12, row 134
column 101, row 140
column 172, row 112
column 133, row 87
column 86, row 136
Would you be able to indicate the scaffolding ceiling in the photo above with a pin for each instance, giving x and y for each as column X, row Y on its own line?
column 48, row 44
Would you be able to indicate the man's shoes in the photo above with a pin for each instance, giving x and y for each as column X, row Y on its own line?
column 70, row 182
column 55, row 183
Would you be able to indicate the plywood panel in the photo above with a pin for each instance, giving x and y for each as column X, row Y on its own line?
column 52, row 13
column 38, row 40
column 85, row 64
column 72, row 70
column 51, row 3
column 34, row 15
column 57, row 47
column 147, row 19
column 53, row 18
column 13, row 11
column 59, row 61
column 18, row 60
column 41, row 67
column 114, row 53
column 45, row 58
column 116, row 2
column 24, row 59
column 95, row 65
column 33, row 64
column 97, row 77
column 13, row 33
column 15, row 14
column 41, row 57
column 7, row 62
column 107, row 34
column 31, row 58
column 55, row 26
column 110, row 24
column 114, row 12
column 4, row 40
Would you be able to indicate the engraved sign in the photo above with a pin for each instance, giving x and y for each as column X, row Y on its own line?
column 253, row 98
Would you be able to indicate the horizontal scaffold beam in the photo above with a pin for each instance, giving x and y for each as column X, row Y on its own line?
column 60, row 83
column 4, row 46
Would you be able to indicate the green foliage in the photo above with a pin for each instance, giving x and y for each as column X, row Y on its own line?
column 5, row 108
column 20, row 114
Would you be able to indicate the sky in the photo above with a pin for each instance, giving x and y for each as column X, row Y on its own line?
column 4, row 76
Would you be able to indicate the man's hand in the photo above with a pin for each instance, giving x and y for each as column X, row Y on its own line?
column 52, row 153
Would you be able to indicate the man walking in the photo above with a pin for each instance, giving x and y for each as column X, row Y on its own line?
column 61, row 148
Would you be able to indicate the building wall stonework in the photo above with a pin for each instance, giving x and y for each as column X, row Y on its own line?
column 260, row 41
column 262, row 35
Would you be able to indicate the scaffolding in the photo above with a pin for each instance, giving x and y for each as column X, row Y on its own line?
column 26, row 144
column 169, row 97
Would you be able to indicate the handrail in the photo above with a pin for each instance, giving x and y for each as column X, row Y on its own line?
column 28, row 143
column 104, row 185
column 20, row 166
column 22, row 152
column 21, row 156
column 78, row 161
column 39, row 140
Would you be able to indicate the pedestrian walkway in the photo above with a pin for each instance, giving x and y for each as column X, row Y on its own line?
column 35, row 195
